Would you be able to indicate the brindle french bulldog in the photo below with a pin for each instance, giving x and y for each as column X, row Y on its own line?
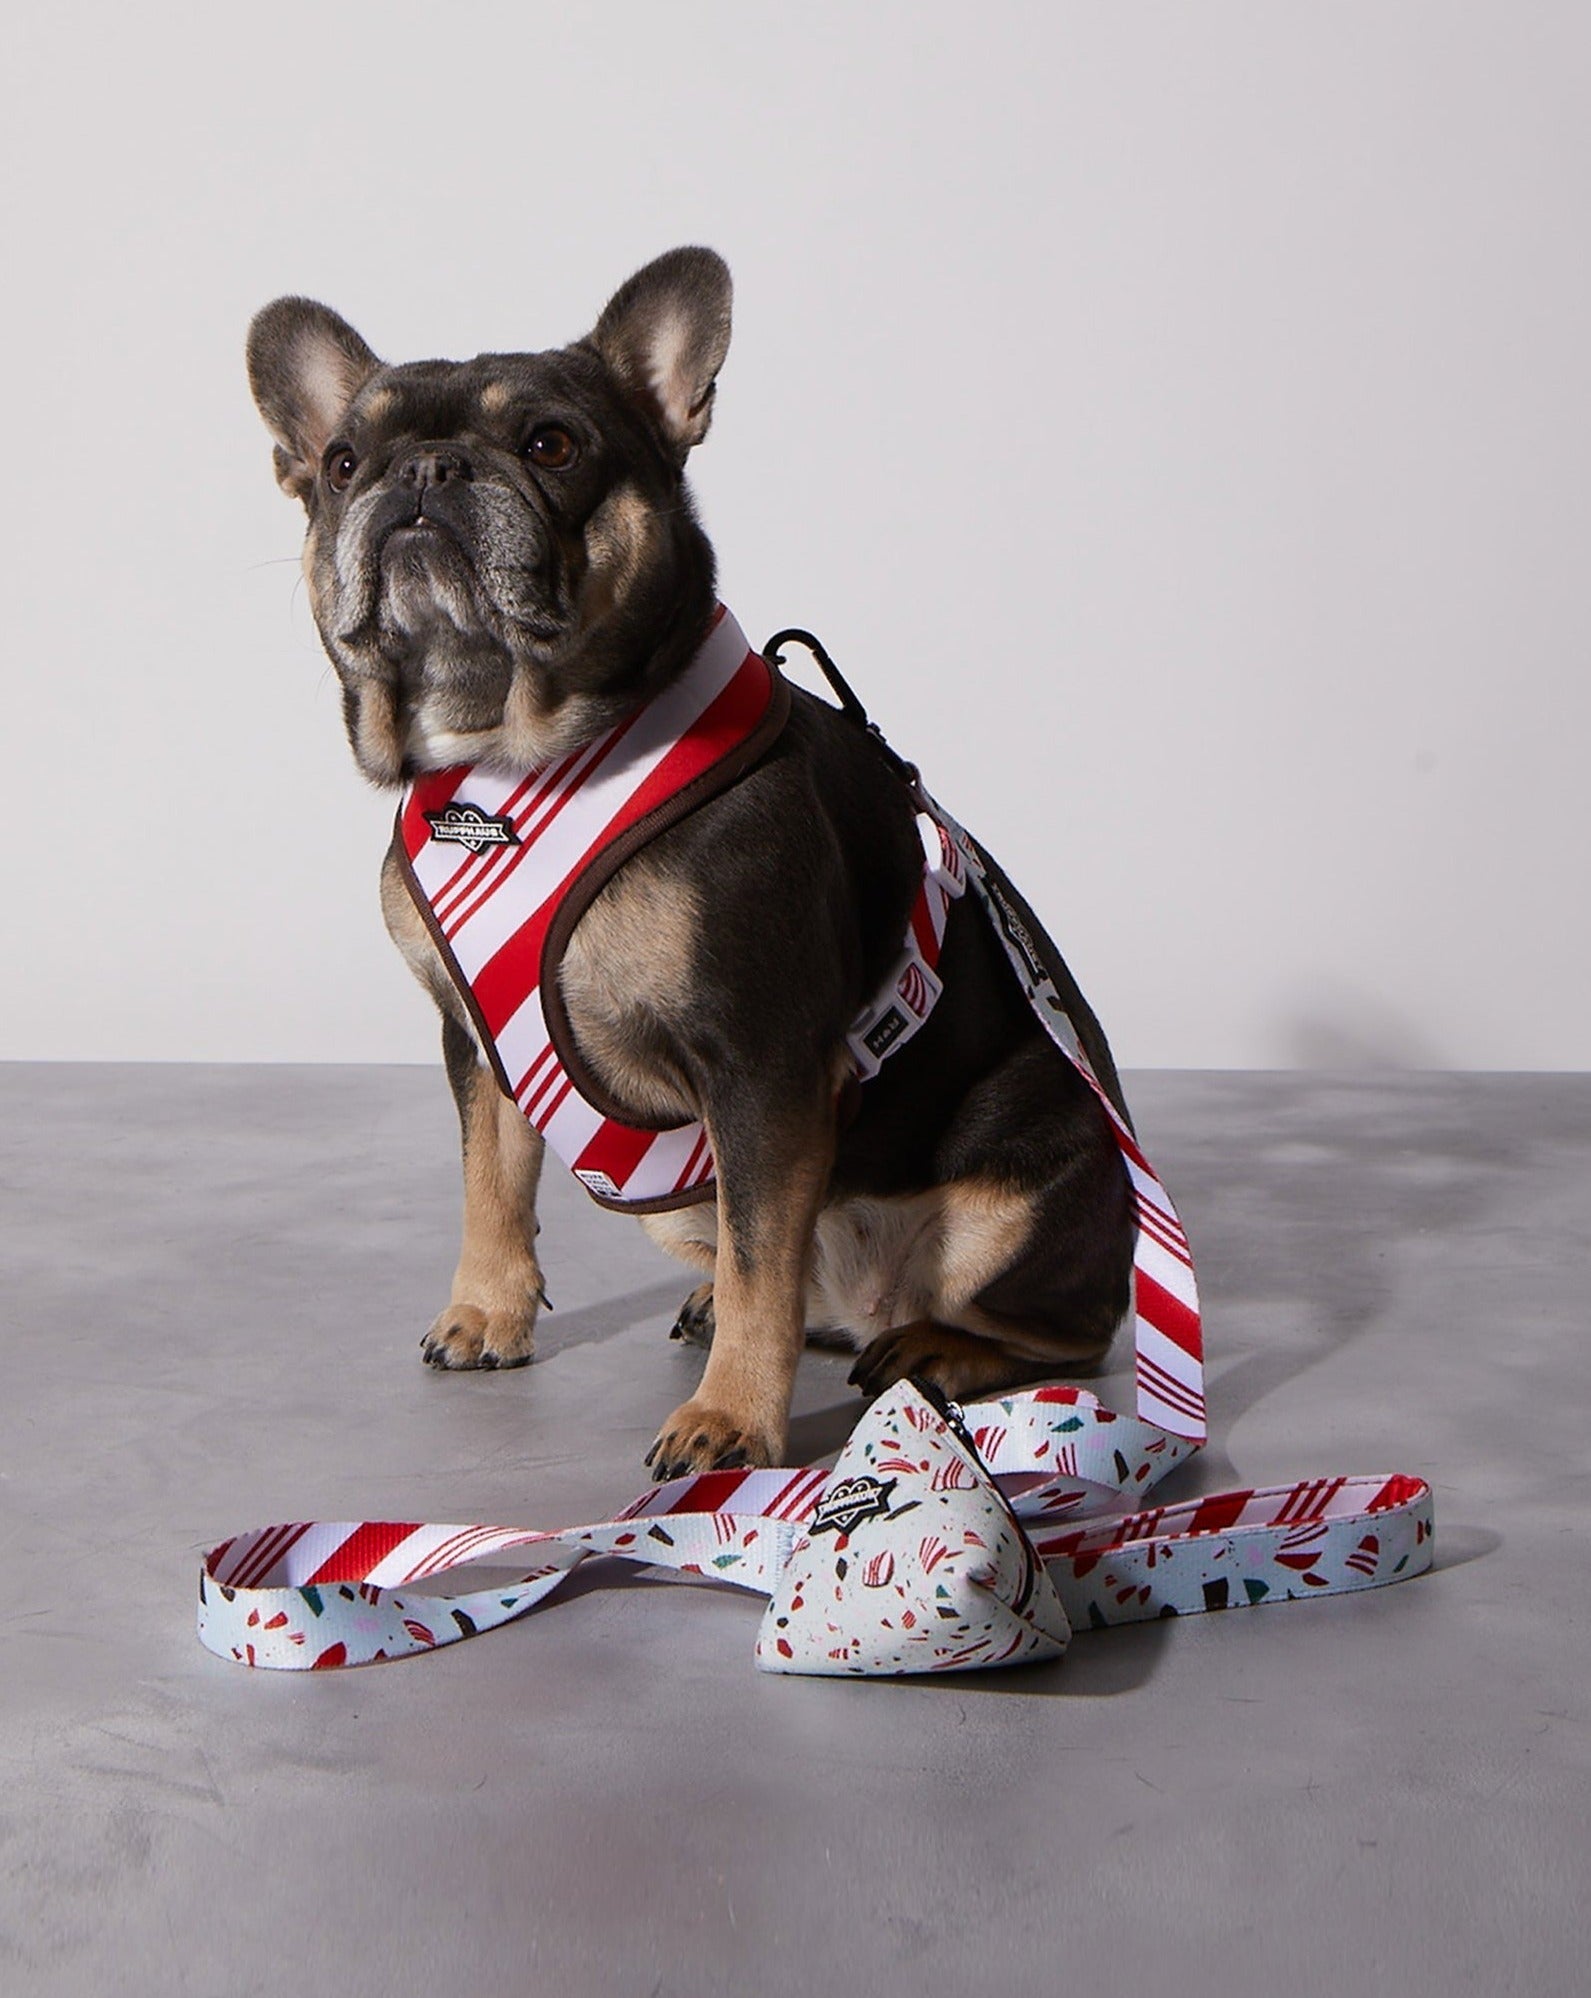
column 503, row 559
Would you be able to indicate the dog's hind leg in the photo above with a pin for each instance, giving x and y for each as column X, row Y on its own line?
column 960, row 1364
column 490, row 1320
column 695, row 1323
column 1025, row 1272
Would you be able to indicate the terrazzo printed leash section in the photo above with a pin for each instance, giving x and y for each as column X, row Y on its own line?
column 934, row 1545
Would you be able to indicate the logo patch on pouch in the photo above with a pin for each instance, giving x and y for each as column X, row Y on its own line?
column 847, row 1503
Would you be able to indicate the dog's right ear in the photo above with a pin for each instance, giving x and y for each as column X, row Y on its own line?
column 664, row 334
column 306, row 365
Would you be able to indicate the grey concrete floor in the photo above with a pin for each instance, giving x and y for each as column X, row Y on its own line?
column 214, row 1282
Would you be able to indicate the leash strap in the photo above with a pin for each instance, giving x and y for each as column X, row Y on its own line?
column 1168, row 1336
column 1168, row 1339
column 315, row 1595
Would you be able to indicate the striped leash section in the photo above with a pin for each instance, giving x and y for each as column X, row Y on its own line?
column 1168, row 1335
column 317, row 1595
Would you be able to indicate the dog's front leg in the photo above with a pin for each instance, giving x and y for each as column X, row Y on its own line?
column 773, row 1154
column 490, row 1320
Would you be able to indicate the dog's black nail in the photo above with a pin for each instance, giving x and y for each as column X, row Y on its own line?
column 487, row 1360
column 737, row 1460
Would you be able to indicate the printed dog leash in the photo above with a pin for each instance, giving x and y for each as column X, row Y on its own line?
column 942, row 1541
column 1168, row 1345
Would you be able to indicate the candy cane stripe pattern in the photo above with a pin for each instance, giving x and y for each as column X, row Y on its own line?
column 500, row 869
column 489, row 861
column 1168, row 1337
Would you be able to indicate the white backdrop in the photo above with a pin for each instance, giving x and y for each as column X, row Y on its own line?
column 1174, row 419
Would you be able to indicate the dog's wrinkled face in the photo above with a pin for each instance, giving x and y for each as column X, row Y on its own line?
column 502, row 555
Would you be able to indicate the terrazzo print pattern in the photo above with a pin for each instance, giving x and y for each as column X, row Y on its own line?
column 909, row 1557
column 1239, row 1550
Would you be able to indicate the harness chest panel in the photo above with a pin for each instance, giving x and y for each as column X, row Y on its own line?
column 501, row 869
column 492, row 860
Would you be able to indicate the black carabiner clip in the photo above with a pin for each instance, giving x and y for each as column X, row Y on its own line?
column 850, row 706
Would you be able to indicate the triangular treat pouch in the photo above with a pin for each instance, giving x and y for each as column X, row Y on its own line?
column 912, row 1561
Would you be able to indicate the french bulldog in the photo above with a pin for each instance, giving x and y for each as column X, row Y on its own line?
column 504, row 562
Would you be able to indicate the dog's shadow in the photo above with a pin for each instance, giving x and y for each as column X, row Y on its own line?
column 823, row 1432
column 559, row 1332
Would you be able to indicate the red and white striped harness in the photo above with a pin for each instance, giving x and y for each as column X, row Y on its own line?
column 502, row 868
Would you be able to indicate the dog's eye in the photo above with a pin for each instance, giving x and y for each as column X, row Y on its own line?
column 341, row 464
column 551, row 447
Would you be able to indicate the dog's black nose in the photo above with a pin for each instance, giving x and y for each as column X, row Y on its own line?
column 435, row 466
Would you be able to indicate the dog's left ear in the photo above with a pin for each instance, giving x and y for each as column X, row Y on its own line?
column 664, row 334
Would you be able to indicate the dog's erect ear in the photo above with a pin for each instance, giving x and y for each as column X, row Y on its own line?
column 664, row 334
column 305, row 366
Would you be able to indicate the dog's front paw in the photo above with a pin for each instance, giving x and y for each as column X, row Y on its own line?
column 698, row 1438
column 466, row 1336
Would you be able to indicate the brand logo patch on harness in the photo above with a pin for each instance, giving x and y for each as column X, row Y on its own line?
column 848, row 1503
column 468, row 825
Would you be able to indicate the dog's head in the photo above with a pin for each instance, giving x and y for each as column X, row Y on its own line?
column 502, row 556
